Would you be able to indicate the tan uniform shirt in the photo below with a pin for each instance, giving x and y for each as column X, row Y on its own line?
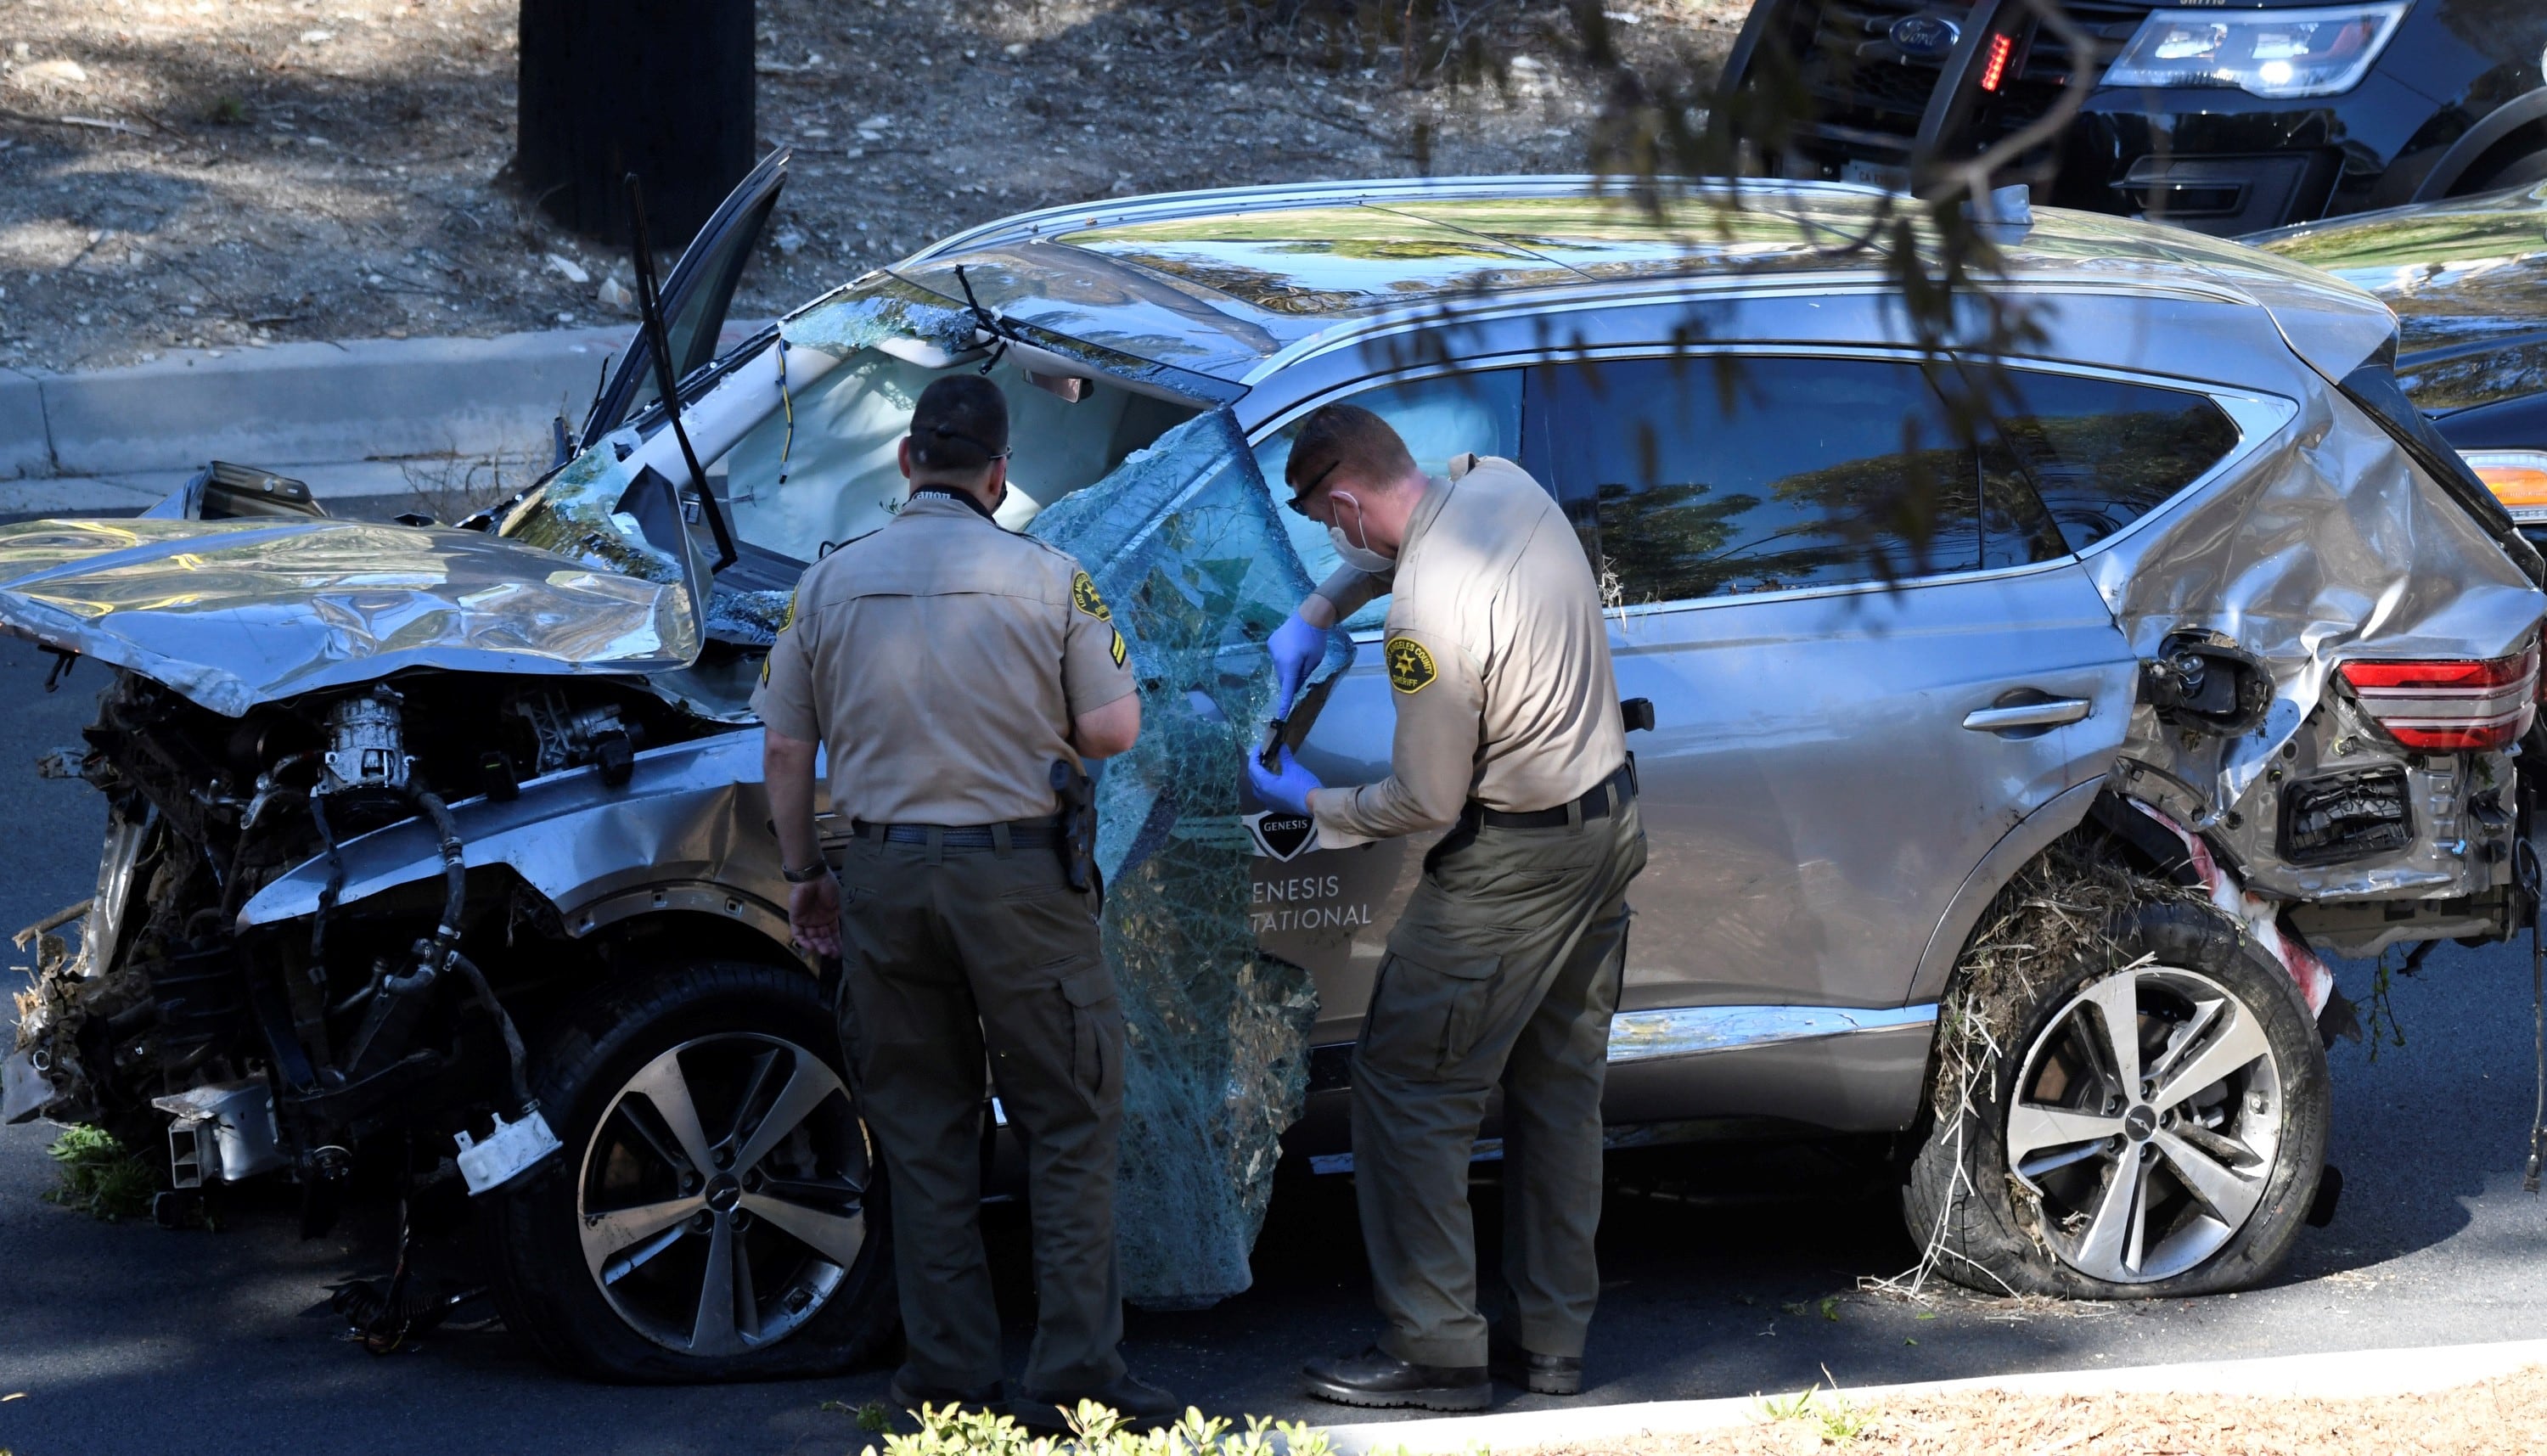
column 940, row 662
column 1499, row 657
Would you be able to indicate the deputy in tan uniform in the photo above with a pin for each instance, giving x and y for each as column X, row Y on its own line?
column 1505, row 966
column 945, row 665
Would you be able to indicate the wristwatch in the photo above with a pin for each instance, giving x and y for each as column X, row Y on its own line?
column 808, row 875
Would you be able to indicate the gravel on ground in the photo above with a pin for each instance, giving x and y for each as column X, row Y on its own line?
column 230, row 173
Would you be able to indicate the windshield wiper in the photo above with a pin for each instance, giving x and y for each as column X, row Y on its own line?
column 650, row 309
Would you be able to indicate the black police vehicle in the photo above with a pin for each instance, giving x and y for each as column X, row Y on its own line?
column 2224, row 118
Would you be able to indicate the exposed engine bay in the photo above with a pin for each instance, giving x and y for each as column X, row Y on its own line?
column 287, row 1046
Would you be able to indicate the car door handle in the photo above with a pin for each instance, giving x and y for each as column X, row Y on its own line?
column 2049, row 712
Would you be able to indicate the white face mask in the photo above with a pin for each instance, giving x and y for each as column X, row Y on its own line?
column 1360, row 557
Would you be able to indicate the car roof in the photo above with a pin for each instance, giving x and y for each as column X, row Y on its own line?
column 1219, row 282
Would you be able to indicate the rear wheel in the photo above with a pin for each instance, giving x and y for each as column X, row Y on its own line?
column 716, row 1211
column 2157, row 1127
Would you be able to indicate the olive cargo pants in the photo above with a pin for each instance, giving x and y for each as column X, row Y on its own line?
column 1504, row 969
column 940, row 953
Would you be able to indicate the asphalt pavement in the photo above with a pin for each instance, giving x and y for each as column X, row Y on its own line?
column 1725, row 1272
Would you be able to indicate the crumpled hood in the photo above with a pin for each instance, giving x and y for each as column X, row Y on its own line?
column 233, row 614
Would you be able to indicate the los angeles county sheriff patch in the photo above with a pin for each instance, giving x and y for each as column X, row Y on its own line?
column 1410, row 666
column 1083, row 595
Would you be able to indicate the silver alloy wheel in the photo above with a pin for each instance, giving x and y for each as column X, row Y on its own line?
column 2147, row 1118
column 721, row 1197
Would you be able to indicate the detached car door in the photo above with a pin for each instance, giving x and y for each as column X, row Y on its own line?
column 1871, row 653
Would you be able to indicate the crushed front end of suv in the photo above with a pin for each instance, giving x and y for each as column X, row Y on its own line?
column 444, row 847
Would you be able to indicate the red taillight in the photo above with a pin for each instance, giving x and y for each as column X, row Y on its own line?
column 1994, row 70
column 2451, row 706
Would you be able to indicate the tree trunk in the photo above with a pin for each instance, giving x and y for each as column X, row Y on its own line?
column 661, row 88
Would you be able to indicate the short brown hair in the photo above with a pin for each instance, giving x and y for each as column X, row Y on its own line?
column 961, row 423
column 1347, row 436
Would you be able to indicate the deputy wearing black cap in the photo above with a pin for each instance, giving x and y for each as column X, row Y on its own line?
column 946, row 665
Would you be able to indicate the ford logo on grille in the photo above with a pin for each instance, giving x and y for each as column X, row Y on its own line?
column 1925, row 36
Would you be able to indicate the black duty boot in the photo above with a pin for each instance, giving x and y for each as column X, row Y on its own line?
column 1540, row 1375
column 1381, row 1381
column 1143, row 1405
column 908, row 1392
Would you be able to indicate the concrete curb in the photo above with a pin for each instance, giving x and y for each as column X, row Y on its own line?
column 369, row 398
column 25, row 447
column 2350, row 1374
column 369, row 487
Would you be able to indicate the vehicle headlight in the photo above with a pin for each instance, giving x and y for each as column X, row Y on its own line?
column 2518, row 478
column 2266, row 52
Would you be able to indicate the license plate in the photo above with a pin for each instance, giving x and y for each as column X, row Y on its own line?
column 1876, row 174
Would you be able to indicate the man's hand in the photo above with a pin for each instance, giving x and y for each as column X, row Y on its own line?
column 1296, row 646
column 814, row 916
column 1287, row 787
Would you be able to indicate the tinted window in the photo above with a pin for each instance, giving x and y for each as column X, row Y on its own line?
column 1772, row 474
column 2102, row 453
column 1438, row 419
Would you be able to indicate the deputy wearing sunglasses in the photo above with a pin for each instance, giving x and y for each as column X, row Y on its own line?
column 1505, row 966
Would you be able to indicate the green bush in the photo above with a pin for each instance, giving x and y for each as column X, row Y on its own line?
column 952, row 1431
column 101, row 1176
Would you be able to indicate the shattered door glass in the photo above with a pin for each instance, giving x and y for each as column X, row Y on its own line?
column 1184, row 543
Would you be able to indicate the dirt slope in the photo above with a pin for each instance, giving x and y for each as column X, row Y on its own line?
column 231, row 172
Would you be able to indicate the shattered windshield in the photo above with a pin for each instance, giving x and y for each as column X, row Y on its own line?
column 812, row 463
column 1184, row 542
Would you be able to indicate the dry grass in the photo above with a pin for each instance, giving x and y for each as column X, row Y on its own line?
column 2498, row 1415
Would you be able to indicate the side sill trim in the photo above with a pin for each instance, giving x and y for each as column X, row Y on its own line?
column 1690, row 1031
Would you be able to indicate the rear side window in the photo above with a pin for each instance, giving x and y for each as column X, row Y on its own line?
column 1776, row 475
column 2103, row 453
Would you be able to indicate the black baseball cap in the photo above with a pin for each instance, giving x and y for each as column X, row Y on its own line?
column 961, row 423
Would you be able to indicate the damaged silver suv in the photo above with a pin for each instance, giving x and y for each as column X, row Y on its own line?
column 441, row 847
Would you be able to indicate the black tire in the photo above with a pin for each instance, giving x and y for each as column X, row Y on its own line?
column 1990, row 1227
column 714, row 1022
column 2519, row 171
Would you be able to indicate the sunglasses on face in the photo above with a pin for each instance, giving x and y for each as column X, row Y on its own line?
column 1299, row 502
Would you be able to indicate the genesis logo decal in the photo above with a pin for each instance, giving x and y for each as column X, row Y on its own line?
column 1281, row 835
column 1925, row 36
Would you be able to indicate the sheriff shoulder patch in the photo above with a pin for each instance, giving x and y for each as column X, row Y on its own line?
column 789, row 620
column 1410, row 666
column 1118, row 649
column 1083, row 595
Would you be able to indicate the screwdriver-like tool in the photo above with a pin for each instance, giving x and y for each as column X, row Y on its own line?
column 1269, row 754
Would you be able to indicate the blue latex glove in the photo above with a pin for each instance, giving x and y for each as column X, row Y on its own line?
column 1296, row 647
column 1285, row 788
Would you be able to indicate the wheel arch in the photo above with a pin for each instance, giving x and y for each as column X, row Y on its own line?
column 2498, row 137
column 688, row 920
column 2018, row 847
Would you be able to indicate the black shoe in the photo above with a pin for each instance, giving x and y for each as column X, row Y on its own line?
column 1143, row 1406
column 908, row 1392
column 1540, row 1375
column 1382, row 1382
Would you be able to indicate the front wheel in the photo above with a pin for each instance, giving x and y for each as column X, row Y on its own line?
column 717, row 1211
column 2155, row 1128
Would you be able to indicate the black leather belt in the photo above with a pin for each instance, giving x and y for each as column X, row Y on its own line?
column 1040, row 833
column 1596, row 803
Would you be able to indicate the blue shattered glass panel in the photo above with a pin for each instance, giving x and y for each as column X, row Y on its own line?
column 1185, row 547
